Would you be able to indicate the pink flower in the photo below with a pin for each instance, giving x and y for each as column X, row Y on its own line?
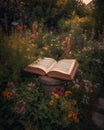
column 10, row 84
column 33, row 35
column 77, row 85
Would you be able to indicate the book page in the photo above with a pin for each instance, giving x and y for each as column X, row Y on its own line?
column 43, row 63
column 64, row 66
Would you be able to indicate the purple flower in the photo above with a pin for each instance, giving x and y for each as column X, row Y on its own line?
column 53, row 29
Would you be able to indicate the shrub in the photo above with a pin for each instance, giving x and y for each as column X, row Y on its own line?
column 16, row 52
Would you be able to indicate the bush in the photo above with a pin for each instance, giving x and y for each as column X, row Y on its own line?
column 16, row 52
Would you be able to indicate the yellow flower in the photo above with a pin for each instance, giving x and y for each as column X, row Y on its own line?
column 67, row 93
column 42, row 53
column 51, row 102
column 45, row 48
column 56, row 96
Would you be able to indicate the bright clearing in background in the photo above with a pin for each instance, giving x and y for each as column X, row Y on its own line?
column 87, row 1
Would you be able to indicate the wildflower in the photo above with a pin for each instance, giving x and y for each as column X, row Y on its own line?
column 45, row 48
column 31, row 85
column 70, row 114
column 67, row 93
column 33, row 35
column 22, row 102
column 9, row 94
column 76, row 119
column 51, row 103
column 77, row 81
column 20, row 107
column 86, row 81
column 42, row 53
column 66, row 45
column 56, row 96
column 77, row 86
column 59, row 90
column 35, row 26
column 10, row 84
column 20, row 110
column 74, row 116
column 53, row 29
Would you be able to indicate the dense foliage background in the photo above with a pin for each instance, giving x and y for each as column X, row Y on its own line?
column 25, row 12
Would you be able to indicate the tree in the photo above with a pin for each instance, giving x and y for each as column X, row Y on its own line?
column 10, row 10
column 27, row 11
column 99, row 13
column 81, row 9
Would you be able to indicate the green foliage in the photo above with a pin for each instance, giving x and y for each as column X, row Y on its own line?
column 23, row 101
column 25, row 12
column 49, row 45
column 15, row 53
column 30, row 107
column 86, row 23
column 99, row 13
column 63, row 26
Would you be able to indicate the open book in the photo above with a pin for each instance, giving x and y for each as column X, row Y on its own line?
column 63, row 69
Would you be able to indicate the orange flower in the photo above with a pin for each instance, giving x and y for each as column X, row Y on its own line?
column 56, row 96
column 70, row 114
column 67, row 93
column 9, row 95
column 51, row 103
column 75, row 118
